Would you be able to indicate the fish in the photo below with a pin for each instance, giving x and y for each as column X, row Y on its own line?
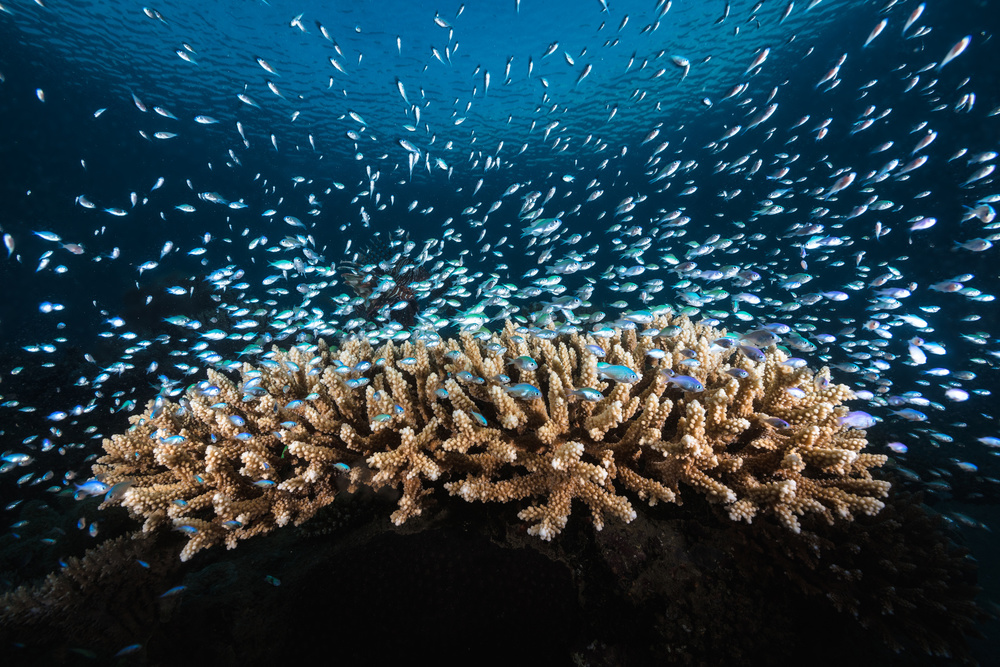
column 686, row 383
column 683, row 63
column 761, row 338
column 164, row 112
column 524, row 363
column 758, row 60
column 955, row 51
column 858, row 419
column 617, row 373
column 337, row 65
column 92, row 487
column 523, row 391
column 761, row 117
column 246, row 99
column 542, row 227
column 914, row 16
column 265, row 66
column 876, row 31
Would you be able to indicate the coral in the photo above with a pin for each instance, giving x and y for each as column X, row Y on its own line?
column 900, row 574
column 104, row 597
column 235, row 459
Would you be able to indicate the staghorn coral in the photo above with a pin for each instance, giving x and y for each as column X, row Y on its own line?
column 233, row 460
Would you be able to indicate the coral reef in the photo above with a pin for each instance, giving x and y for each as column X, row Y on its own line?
column 672, row 409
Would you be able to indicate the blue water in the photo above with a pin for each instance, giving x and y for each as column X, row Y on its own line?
column 63, row 62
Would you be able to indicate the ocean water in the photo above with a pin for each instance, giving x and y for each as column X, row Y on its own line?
column 165, row 168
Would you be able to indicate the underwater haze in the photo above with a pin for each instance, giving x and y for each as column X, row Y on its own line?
column 187, row 184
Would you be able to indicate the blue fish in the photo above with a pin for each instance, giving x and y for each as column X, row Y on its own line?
column 524, row 391
column 622, row 374
column 686, row 383
column 92, row 487
column 857, row 419
column 174, row 591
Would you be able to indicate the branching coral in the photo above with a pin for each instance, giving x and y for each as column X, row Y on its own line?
column 232, row 460
column 103, row 594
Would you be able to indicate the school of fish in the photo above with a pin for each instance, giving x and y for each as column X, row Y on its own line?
column 819, row 191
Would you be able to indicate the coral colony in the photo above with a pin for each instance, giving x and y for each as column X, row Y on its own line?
column 528, row 416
